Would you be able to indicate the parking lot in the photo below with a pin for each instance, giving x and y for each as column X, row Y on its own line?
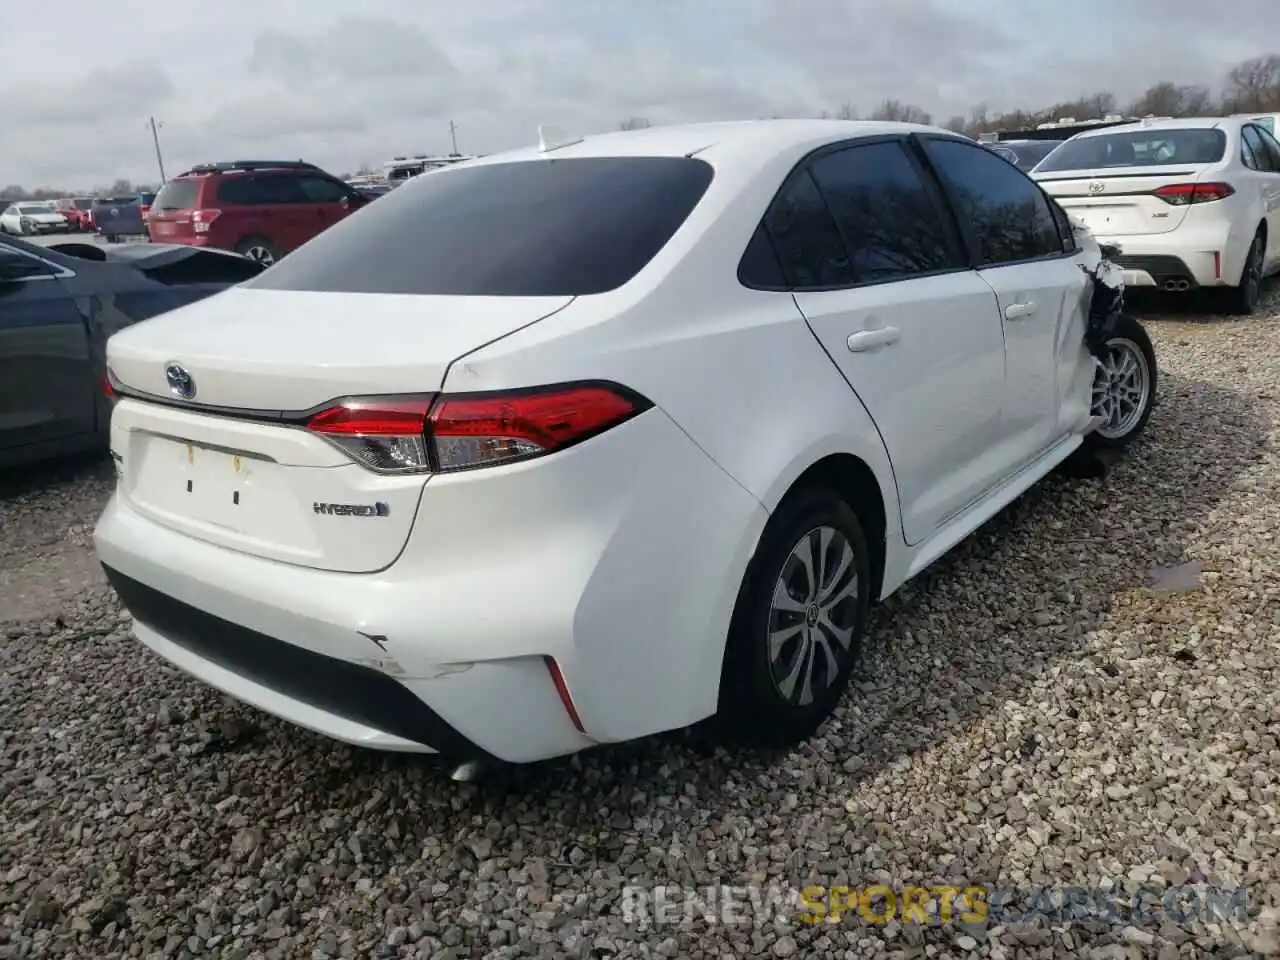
column 1086, row 690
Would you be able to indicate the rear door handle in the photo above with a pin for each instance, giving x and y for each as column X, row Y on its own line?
column 1016, row 311
column 866, row 340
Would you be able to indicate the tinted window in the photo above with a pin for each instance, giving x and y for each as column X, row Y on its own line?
column 570, row 226
column 1256, row 150
column 1272, row 147
column 176, row 195
column 1065, row 232
column 1007, row 213
column 891, row 222
column 323, row 190
column 806, row 238
column 1030, row 154
column 83, row 203
column 1246, row 153
column 18, row 266
column 759, row 266
column 256, row 189
column 1138, row 148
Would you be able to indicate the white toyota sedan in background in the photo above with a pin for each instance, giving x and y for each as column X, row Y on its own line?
column 1191, row 203
column 588, row 441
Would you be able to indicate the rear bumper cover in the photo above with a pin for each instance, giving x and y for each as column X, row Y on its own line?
column 347, row 691
column 584, row 556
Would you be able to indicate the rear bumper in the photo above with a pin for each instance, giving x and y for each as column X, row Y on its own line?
column 355, row 703
column 620, row 558
column 1208, row 255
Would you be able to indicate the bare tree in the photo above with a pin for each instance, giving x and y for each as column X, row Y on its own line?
column 847, row 111
column 1167, row 99
column 635, row 123
column 901, row 112
column 1253, row 85
column 958, row 124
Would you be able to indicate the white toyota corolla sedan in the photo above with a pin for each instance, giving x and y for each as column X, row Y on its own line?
column 1193, row 203
column 582, row 442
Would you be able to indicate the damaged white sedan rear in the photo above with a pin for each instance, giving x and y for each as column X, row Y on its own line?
column 583, row 442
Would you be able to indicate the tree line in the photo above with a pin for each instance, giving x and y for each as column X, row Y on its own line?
column 1252, row 86
column 121, row 188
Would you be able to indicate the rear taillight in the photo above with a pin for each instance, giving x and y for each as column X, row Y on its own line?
column 1182, row 194
column 108, row 388
column 202, row 219
column 462, row 431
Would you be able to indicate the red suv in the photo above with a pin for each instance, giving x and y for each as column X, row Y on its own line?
column 260, row 208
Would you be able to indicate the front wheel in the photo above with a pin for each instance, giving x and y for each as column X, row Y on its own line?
column 1124, row 386
column 798, row 623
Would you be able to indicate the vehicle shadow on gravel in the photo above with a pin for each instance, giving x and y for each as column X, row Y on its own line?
column 27, row 479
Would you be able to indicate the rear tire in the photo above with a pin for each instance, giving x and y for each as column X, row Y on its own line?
column 1124, row 388
column 798, row 624
column 261, row 249
column 1244, row 299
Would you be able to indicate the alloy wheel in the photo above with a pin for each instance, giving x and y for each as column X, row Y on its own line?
column 1121, row 388
column 813, row 615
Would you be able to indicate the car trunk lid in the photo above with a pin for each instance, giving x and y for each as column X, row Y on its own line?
column 1116, row 202
column 172, row 215
column 234, row 465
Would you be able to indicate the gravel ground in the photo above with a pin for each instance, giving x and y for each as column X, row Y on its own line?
column 1039, row 709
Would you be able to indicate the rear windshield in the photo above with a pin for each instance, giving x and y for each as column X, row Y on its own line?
column 83, row 203
column 1029, row 154
column 566, row 227
column 176, row 195
column 1138, row 148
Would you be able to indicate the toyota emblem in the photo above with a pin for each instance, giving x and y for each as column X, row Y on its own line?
column 1097, row 186
column 181, row 383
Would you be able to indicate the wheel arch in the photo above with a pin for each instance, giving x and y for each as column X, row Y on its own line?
column 855, row 483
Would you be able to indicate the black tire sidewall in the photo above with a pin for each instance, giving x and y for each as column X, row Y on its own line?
column 751, row 709
column 1129, row 328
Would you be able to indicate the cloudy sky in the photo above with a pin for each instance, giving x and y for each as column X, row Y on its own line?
column 341, row 83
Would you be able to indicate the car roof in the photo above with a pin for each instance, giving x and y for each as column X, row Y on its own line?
column 1176, row 123
column 723, row 141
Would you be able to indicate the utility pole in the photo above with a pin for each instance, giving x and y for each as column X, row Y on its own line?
column 453, row 135
column 155, row 138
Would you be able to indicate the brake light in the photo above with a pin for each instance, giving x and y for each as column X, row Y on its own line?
column 108, row 389
column 202, row 219
column 462, row 431
column 1182, row 194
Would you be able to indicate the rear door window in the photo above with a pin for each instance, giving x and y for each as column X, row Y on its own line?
column 549, row 227
column 1256, row 150
column 891, row 220
column 804, row 233
column 177, row 195
column 323, row 190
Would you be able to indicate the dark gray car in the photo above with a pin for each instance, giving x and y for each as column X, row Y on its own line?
column 58, row 305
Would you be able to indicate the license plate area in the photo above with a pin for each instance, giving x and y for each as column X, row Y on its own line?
column 229, row 490
column 162, row 227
